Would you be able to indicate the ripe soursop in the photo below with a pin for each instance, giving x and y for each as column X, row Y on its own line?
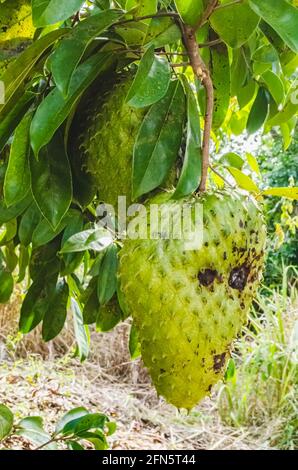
column 189, row 305
column 102, row 141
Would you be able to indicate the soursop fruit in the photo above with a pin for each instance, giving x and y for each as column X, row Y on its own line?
column 190, row 304
column 103, row 135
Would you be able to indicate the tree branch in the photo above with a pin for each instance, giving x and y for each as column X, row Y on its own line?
column 202, row 73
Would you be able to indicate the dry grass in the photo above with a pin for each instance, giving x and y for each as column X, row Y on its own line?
column 38, row 379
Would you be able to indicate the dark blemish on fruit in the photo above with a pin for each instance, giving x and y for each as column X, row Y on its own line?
column 219, row 362
column 206, row 244
column 162, row 371
column 241, row 224
column 238, row 277
column 207, row 277
column 209, row 388
column 203, row 361
column 225, row 255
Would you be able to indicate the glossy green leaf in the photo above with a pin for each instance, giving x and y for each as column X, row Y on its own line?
column 34, row 305
column 134, row 343
column 85, row 423
column 274, row 85
column 281, row 16
column 232, row 159
column 91, row 307
column 11, row 120
column 141, row 8
column 6, row 421
column 289, row 193
column 31, row 428
column 158, row 141
column 151, row 81
column 28, row 224
column 162, row 32
column 234, row 23
column 192, row 166
column 47, row 12
column 253, row 163
column 220, row 70
column 190, row 10
column 108, row 316
column 243, row 181
column 44, row 263
column 17, row 178
column 72, row 260
column 70, row 416
column 9, row 213
column 55, row 315
column 20, row 68
column 246, row 94
column 289, row 110
column 96, row 239
column 6, row 286
column 258, row 112
column 72, row 48
column 23, row 262
column 81, row 332
column 54, row 109
column 107, row 279
column 239, row 71
column 51, row 181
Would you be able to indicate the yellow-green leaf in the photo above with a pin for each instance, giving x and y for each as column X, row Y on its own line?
column 290, row 193
column 243, row 181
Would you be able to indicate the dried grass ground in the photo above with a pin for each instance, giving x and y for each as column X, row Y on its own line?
column 110, row 383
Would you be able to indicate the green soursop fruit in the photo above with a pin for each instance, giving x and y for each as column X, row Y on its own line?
column 102, row 141
column 190, row 304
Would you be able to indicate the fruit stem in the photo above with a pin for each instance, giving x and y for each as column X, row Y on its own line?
column 201, row 71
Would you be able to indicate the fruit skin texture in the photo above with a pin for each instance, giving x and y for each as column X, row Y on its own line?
column 103, row 137
column 189, row 305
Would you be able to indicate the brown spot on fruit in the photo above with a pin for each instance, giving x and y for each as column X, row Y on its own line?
column 207, row 277
column 219, row 362
column 238, row 277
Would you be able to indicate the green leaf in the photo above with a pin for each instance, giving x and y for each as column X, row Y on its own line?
column 243, row 181
column 96, row 239
column 44, row 263
column 275, row 86
column 44, row 232
column 80, row 330
column 31, row 428
column 47, row 12
column 23, row 261
column 232, row 159
column 281, row 16
column 35, row 305
column 72, row 260
column 91, row 307
column 235, row 23
column 9, row 213
column 28, row 223
column 84, row 423
column 74, row 445
column 6, row 421
column 162, row 32
column 289, row 193
column 108, row 316
column 55, row 315
column 191, row 171
column 134, row 343
column 158, row 141
column 19, row 69
column 70, row 416
column 6, row 286
column 190, row 10
column 51, row 181
column 17, row 177
column 72, row 48
column 141, row 8
column 239, row 71
column 151, row 81
column 252, row 161
column 258, row 112
column 54, row 109
column 11, row 120
column 107, row 279
column 220, row 69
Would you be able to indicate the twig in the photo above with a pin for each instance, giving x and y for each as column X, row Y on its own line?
column 207, row 13
column 162, row 14
column 181, row 64
column 202, row 73
column 220, row 176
